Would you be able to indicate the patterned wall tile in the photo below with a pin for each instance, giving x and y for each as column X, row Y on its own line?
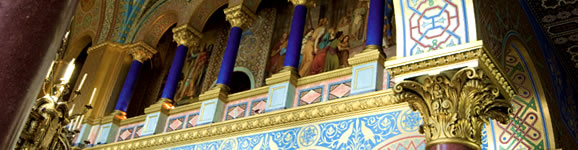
column 176, row 123
column 310, row 95
column 236, row 111
column 258, row 106
column 339, row 89
column 192, row 120
column 138, row 131
column 125, row 134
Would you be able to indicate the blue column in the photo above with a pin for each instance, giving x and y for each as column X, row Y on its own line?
column 375, row 23
column 174, row 73
column 128, row 87
column 295, row 37
column 228, row 62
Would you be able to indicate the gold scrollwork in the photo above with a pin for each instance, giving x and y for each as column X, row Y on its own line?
column 186, row 35
column 141, row 51
column 454, row 110
column 240, row 16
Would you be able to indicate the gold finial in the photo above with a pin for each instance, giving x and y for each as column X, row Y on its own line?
column 239, row 16
column 186, row 35
column 141, row 51
column 455, row 110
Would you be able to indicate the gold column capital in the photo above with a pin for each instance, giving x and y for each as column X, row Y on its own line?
column 141, row 51
column 455, row 105
column 240, row 16
column 186, row 35
column 308, row 3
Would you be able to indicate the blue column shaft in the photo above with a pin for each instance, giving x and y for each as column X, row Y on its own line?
column 128, row 86
column 295, row 37
column 174, row 73
column 375, row 23
column 230, row 56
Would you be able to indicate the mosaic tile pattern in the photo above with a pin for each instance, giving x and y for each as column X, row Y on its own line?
column 339, row 90
column 192, row 120
column 258, row 106
column 236, row 111
column 176, row 123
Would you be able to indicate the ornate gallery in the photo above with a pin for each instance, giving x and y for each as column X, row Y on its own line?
column 304, row 74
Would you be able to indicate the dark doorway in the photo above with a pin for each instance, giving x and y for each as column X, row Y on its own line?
column 240, row 82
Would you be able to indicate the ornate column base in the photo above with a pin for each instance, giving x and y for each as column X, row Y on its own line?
column 282, row 89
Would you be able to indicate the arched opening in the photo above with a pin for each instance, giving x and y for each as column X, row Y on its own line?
column 240, row 82
column 152, row 77
column 76, row 76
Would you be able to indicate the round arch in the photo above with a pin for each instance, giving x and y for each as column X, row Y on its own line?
column 156, row 28
column 77, row 43
column 531, row 102
column 248, row 73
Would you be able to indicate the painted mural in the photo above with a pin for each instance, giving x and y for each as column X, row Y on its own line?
column 334, row 31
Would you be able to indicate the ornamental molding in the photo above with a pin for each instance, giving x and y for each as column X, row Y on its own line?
column 472, row 54
column 141, row 51
column 369, row 54
column 186, row 35
column 342, row 72
column 240, row 16
column 247, row 94
column 107, row 43
column 455, row 107
column 350, row 106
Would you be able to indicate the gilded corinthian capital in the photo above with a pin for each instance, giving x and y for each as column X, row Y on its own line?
column 308, row 3
column 141, row 51
column 455, row 106
column 186, row 35
column 239, row 16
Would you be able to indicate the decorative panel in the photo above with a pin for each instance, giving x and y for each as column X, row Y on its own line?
column 175, row 123
column 310, row 95
column 428, row 25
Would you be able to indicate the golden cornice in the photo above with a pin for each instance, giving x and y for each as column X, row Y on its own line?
column 249, row 93
column 220, row 92
column 109, row 119
column 186, row 35
column 131, row 120
column 240, row 16
column 185, row 108
column 455, row 106
column 156, row 107
column 288, row 75
column 350, row 106
column 324, row 76
column 466, row 55
column 107, row 43
column 141, row 51
column 370, row 54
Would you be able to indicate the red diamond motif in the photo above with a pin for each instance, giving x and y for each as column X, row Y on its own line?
column 310, row 96
column 340, row 90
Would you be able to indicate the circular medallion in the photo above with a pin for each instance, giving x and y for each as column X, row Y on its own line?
column 308, row 136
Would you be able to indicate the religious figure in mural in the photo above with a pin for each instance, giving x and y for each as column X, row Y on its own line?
column 190, row 86
column 278, row 55
column 321, row 43
column 343, row 52
column 358, row 21
column 331, row 58
column 388, row 39
column 307, row 53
